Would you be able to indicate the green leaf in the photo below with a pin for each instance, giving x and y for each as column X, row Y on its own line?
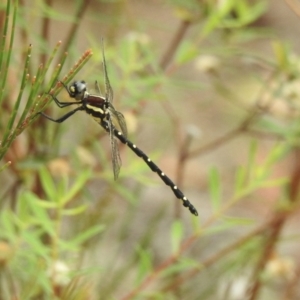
column 145, row 263
column 276, row 182
column 233, row 14
column 227, row 223
column 48, row 184
column 22, row 209
column 176, row 235
column 245, row 174
column 77, row 186
column 215, row 189
column 240, row 180
column 8, row 229
column 244, row 13
column 34, row 240
column 281, row 51
column 186, row 53
column 46, row 204
column 42, row 217
column 236, row 221
column 86, row 235
column 183, row 264
column 74, row 211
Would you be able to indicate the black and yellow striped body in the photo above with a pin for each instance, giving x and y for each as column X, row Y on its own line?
column 177, row 192
column 103, row 112
column 95, row 107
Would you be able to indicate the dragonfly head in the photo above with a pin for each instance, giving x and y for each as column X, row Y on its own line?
column 77, row 90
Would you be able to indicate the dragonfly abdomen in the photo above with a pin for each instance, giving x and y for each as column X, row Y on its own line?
column 177, row 192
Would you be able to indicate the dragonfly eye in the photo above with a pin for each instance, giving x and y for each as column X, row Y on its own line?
column 77, row 90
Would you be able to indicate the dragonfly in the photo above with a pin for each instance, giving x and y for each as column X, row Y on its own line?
column 101, row 108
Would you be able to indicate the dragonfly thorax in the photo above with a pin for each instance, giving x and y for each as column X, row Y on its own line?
column 77, row 90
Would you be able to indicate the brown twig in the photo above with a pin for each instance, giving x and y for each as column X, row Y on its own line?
column 271, row 223
column 78, row 17
column 163, row 266
column 45, row 32
column 259, row 108
column 219, row 255
column 180, row 33
column 274, row 231
column 294, row 5
column 24, row 39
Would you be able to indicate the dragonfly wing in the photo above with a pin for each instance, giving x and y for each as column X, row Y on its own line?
column 115, row 154
column 109, row 94
column 97, row 88
column 119, row 117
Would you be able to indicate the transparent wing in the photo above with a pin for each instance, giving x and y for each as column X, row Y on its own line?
column 109, row 94
column 109, row 97
column 122, row 122
column 117, row 116
column 97, row 88
column 115, row 154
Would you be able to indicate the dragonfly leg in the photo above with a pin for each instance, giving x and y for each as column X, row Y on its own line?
column 64, row 117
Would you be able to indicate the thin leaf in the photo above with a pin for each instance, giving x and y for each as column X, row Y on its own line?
column 8, row 229
column 176, row 235
column 86, row 235
column 215, row 189
column 145, row 263
column 74, row 211
column 186, row 53
column 48, row 184
column 42, row 217
column 34, row 241
column 77, row 186
column 17, row 104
